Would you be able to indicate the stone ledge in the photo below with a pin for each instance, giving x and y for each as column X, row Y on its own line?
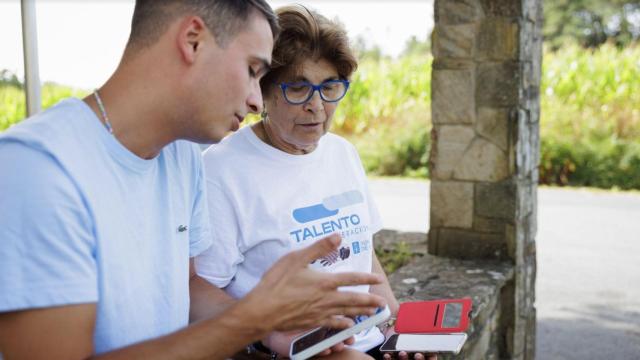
column 429, row 277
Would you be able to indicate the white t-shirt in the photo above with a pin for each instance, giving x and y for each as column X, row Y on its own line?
column 265, row 203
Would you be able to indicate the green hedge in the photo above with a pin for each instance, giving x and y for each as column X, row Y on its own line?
column 608, row 163
column 13, row 102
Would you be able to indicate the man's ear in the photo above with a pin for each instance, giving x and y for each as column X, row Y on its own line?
column 192, row 32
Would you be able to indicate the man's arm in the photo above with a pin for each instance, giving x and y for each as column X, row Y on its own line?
column 290, row 296
column 50, row 333
column 207, row 300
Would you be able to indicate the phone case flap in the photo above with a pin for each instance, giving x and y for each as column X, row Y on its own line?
column 434, row 316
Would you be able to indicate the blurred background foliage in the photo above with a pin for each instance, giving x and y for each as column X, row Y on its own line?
column 591, row 23
column 590, row 103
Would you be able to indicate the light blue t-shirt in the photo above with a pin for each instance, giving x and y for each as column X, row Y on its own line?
column 84, row 220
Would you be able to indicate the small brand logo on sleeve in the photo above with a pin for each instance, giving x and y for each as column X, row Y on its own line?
column 182, row 228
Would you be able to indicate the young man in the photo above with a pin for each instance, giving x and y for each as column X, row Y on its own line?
column 102, row 204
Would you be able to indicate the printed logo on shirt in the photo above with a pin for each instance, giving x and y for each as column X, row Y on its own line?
column 329, row 207
column 359, row 246
column 347, row 225
column 342, row 254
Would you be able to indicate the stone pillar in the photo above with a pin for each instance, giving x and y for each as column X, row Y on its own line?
column 485, row 148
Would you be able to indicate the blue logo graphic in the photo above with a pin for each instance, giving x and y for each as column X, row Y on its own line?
column 329, row 207
column 356, row 247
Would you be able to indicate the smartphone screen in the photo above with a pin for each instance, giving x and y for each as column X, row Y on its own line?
column 429, row 343
column 312, row 338
column 319, row 339
column 452, row 315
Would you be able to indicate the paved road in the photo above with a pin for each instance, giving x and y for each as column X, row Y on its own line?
column 588, row 285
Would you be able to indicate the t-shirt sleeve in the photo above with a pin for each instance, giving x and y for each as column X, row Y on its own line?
column 199, row 228
column 376, row 220
column 47, row 251
column 219, row 263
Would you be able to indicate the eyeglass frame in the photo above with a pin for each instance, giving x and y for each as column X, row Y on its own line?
column 314, row 88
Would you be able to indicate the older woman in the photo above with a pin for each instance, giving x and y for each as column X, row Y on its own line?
column 285, row 182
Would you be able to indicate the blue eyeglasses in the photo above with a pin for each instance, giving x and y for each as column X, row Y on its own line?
column 300, row 92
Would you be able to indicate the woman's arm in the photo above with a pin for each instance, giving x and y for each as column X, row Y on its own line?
column 384, row 288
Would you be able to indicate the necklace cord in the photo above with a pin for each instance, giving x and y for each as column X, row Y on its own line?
column 107, row 123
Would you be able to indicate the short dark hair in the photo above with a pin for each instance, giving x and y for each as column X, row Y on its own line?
column 305, row 34
column 224, row 18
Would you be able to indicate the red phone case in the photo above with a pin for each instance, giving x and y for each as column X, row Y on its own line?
column 424, row 317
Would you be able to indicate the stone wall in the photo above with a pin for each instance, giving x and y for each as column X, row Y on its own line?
column 485, row 148
column 429, row 277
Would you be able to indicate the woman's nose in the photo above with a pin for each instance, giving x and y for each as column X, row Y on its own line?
column 315, row 103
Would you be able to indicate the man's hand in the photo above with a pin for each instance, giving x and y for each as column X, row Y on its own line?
column 291, row 296
column 280, row 342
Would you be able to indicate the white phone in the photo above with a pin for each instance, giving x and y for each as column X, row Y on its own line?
column 317, row 340
column 426, row 343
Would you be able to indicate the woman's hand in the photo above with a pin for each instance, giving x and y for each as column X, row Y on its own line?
column 403, row 355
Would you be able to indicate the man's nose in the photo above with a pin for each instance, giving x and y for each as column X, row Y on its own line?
column 254, row 100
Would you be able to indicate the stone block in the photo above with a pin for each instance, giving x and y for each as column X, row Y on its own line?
column 482, row 161
column 531, row 222
column 515, row 239
column 387, row 240
column 530, row 285
column 485, row 224
column 498, row 84
column 534, row 133
column 502, row 8
column 525, row 40
column 452, row 64
column 493, row 125
column 451, row 204
column 519, row 338
column 530, row 342
column 454, row 41
column 523, row 147
column 453, row 96
column 528, row 80
column 457, row 11
column 448, row 147
column 532, row 10
column 526, row 196
column 498, row 39
column 487, row 313
column 496, row 200
column 507, row 318
column 481, row 346
column 524, row 321
column 464, row 244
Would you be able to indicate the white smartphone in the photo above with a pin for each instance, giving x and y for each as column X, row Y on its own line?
column 426, row 343
column 317, row 340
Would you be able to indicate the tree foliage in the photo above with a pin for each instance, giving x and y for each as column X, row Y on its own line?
column 7, row 78
column 591, row 22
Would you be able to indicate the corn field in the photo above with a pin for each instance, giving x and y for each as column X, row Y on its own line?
column 590, row 115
